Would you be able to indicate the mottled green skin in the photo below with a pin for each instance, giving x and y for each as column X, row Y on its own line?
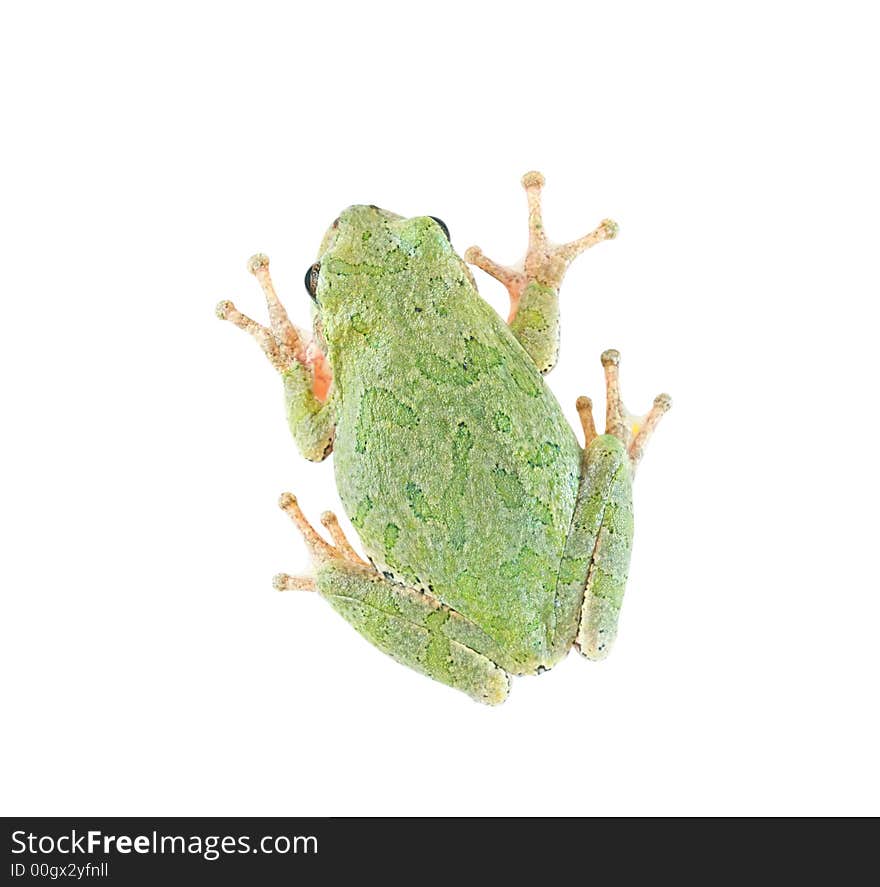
column 416, row 630
column 311, row 422
column 536, row 324
column 600, row 541
column 453, row 460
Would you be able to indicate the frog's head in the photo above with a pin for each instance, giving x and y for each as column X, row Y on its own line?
column 372, row 268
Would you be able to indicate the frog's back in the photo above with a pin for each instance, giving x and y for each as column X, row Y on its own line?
column 453, row 459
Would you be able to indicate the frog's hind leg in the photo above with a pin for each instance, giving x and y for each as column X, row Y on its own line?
column 534, row 287
column 597, row 553
column 410, row 626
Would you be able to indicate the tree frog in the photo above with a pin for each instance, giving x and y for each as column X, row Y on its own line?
column 494, row 541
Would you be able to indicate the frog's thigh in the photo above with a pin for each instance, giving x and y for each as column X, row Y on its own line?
column 597, row 552
column 610, row 556
column 415, row 629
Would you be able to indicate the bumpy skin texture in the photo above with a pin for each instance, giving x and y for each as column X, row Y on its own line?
column 600, row 542
column 311, row 422
column 453, row 460
column 536, row 324
column 416, row 630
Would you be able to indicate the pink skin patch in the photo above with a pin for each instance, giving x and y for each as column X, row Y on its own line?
column 316, row 359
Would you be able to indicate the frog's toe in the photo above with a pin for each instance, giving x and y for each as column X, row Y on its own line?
column 584, row 407
column 320, row 550
column 636, row 449
column 612, row 229
column 257, row 262
column 331, row 524
column 286, row 582
column 472, row 254
column 223, row 309
column 633, row 431
column 512, row 278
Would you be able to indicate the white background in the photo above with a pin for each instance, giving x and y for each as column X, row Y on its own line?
column 149, row 668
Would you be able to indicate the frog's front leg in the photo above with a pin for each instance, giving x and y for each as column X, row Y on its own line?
column 410, row 626
column 304, row 370
column 534, row 287
column 597, row 553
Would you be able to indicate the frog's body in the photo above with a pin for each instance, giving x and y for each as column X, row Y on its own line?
column 487, row 525
column 480, row 518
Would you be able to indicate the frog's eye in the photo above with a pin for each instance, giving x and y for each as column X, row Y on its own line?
column 442, row 224
column 312, row 280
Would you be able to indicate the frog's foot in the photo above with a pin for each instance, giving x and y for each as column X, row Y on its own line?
column 534, row 285
column 631, row 430
column 545, row 262
column 409, row 625
column 284, row 344
column 320, row 550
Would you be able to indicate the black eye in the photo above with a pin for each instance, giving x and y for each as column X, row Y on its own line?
column 312, row 280
column 442, row 224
